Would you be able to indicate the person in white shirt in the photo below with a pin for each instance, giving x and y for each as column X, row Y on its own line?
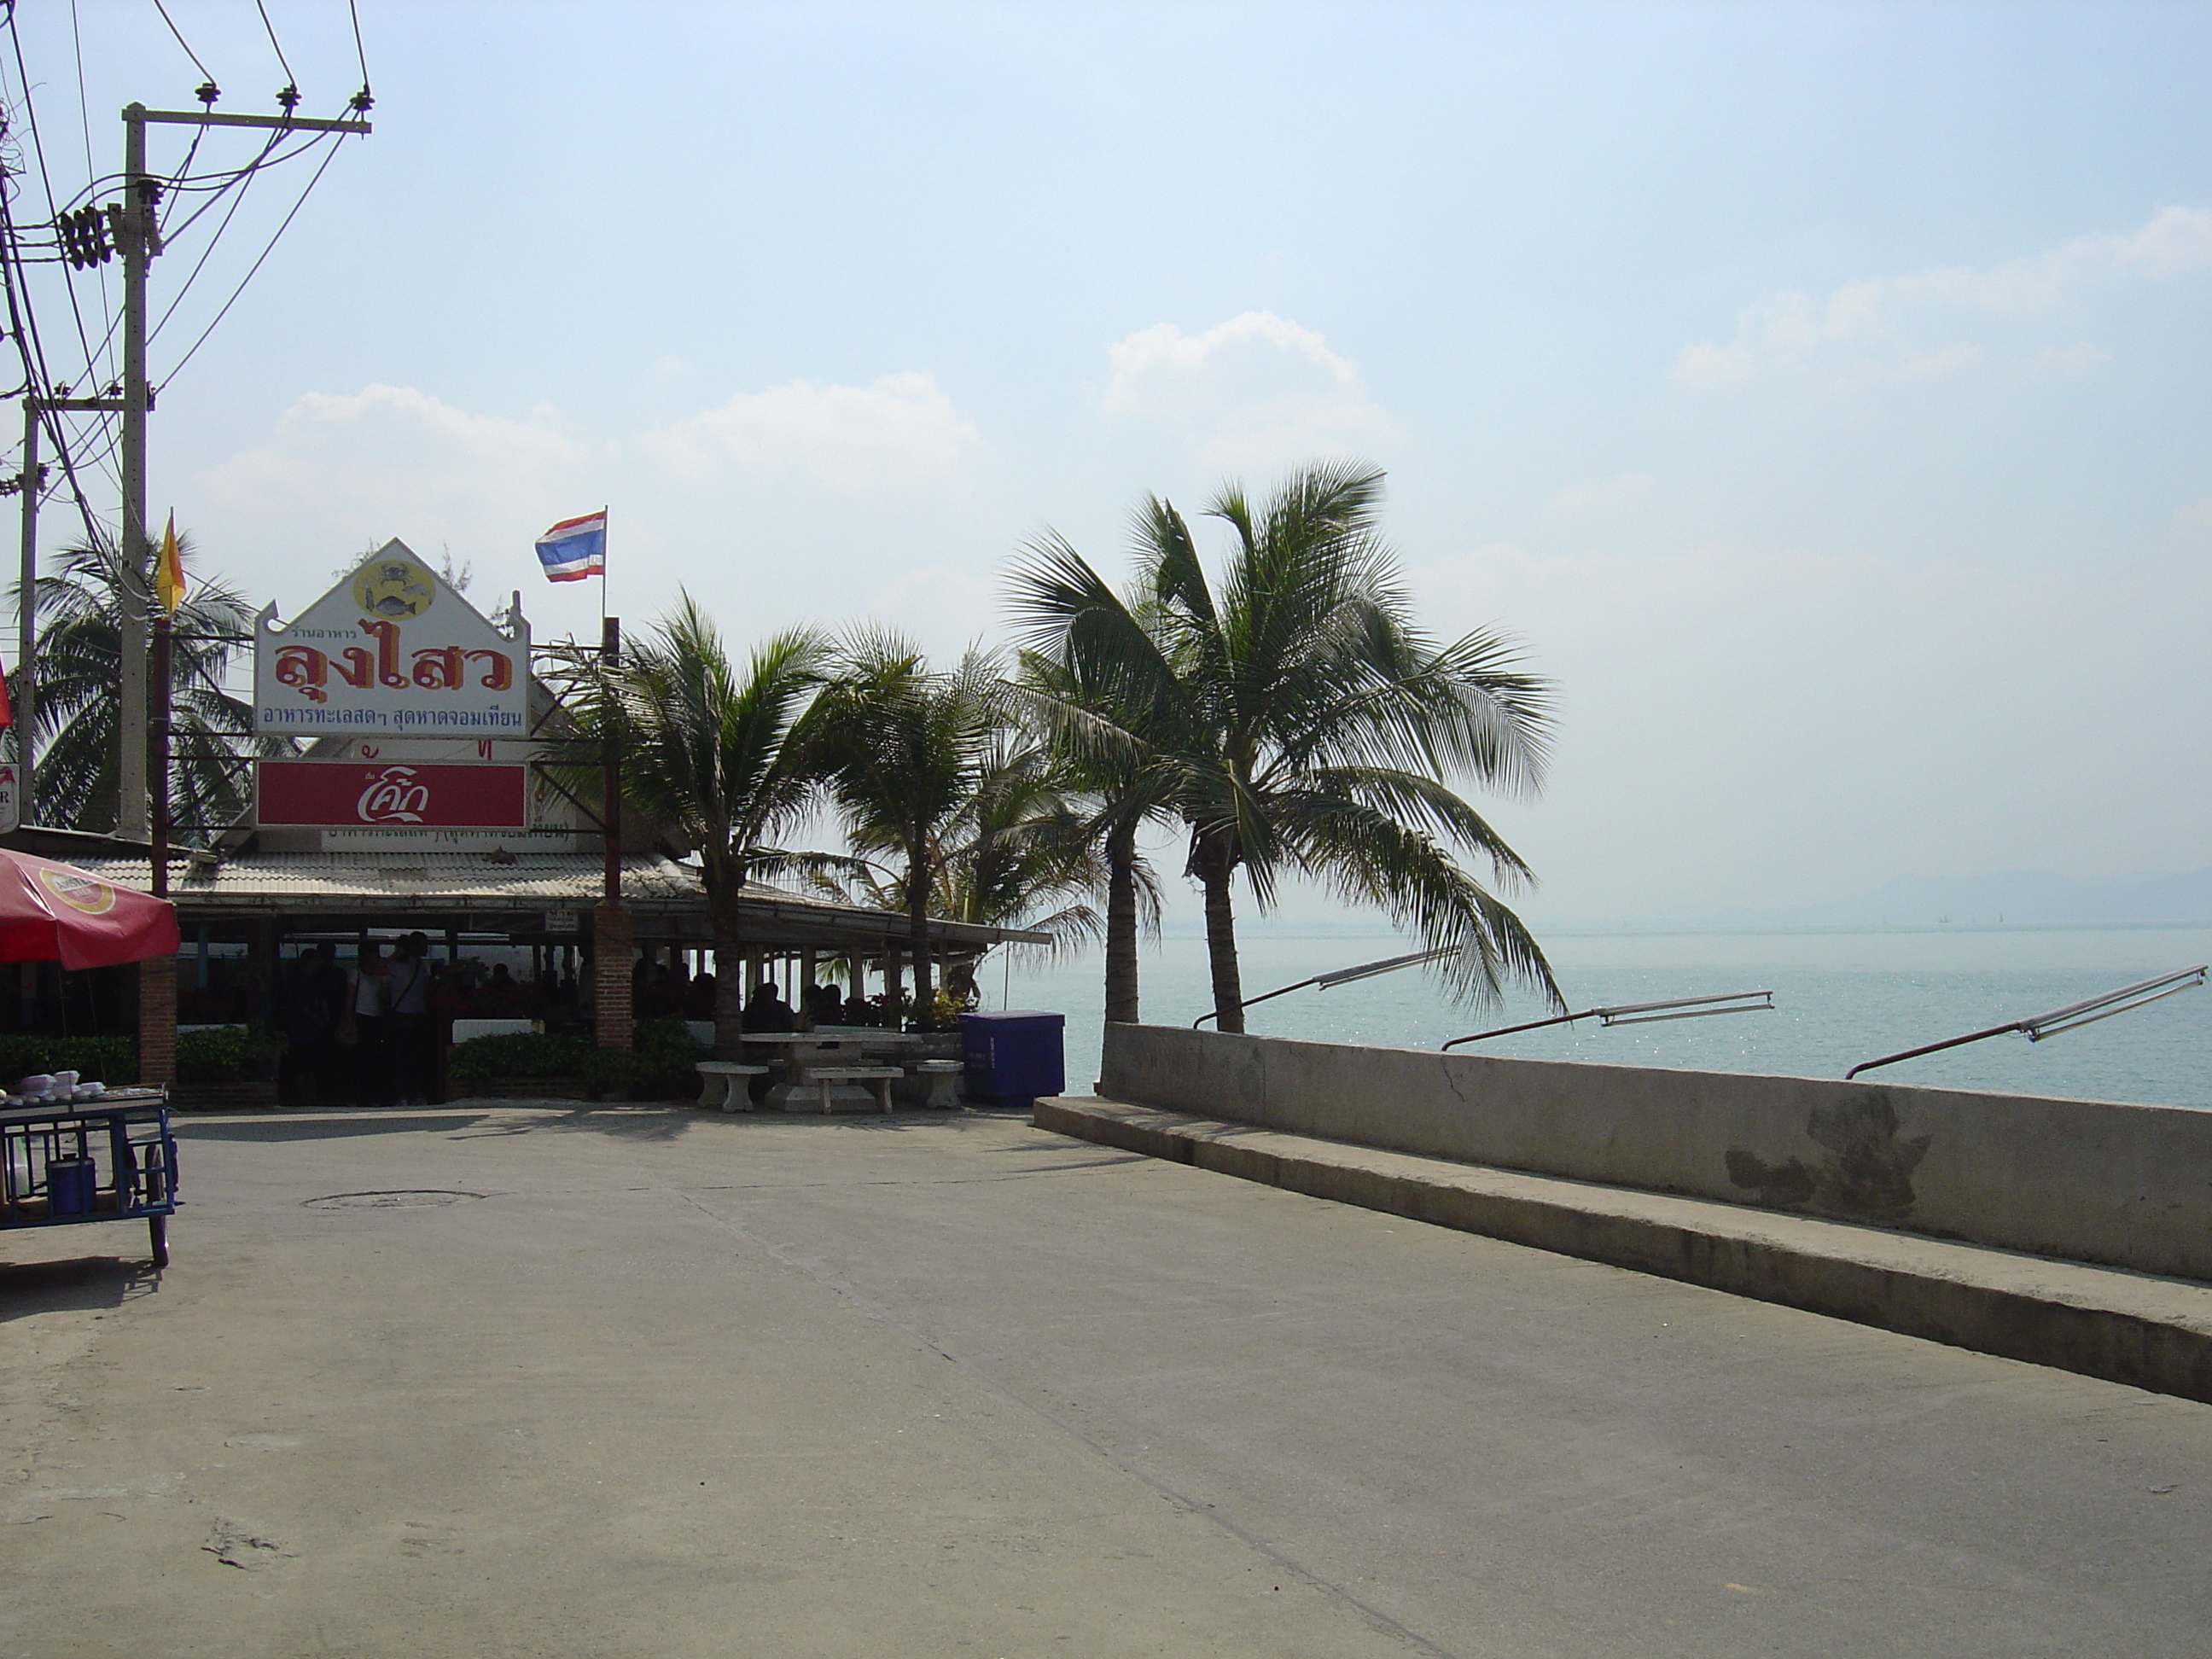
column 409, row 982
column 368, row 1081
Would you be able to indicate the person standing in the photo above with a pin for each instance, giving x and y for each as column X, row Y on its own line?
column 309, row 1026
column 369, row 1079
column 409, row 1017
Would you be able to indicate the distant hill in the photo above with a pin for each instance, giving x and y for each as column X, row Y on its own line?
column 2010, row 898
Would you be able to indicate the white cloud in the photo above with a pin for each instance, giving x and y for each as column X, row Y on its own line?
column 1868, row 328
column 2079, row 358
column 900, row 429
column 1258, row 389
column 807, row 500
column 342, row 471
column 1603, row 498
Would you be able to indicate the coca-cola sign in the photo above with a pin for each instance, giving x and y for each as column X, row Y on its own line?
column 390, row 795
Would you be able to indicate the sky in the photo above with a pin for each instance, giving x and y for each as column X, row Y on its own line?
column 1817, row 392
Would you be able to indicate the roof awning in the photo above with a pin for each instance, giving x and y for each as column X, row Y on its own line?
column 476, row 892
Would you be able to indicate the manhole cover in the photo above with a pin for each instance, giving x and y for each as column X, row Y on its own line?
column 411, row 1199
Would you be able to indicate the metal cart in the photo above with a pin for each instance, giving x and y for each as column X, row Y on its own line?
column 109, row 1159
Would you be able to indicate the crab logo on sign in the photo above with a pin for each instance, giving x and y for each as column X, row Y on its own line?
column 394, row 797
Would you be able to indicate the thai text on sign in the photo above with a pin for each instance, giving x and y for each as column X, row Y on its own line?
column 392, row 648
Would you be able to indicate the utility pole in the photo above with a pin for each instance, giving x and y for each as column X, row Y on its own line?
column 612, row 931
column 145, row 720
column 27, row 617
column 138, row 238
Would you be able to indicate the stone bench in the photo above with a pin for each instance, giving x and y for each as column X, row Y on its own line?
column 939, row 1076
column 878, row 1077
column 724, row 1086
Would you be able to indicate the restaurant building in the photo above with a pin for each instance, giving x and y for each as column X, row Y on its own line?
column 442, row 790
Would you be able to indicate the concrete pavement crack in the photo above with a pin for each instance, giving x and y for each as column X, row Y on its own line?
column 1373, row 1616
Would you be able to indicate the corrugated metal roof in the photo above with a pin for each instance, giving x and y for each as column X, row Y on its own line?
column 401, row 883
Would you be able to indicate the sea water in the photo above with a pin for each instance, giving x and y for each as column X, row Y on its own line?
column 1840, row 998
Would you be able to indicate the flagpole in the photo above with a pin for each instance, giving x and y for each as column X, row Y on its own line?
column 603, row 569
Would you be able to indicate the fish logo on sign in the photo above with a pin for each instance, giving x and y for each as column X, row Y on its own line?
column 79, row 892
column 394, row 589
column 393, row 796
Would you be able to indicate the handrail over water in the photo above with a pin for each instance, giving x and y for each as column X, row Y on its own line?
column 2072, row 1017
column 1340, row 976
column 1639, row 1013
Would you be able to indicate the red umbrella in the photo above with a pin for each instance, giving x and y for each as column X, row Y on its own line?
column 55, row 912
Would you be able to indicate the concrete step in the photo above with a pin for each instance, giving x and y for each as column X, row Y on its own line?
column 2148, row 1332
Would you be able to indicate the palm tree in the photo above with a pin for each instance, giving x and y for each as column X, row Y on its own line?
column 1022, row 851
column 1126, row 788
column 1307, row 725
column 80, row 655
column 904, row 751
column 708, row 749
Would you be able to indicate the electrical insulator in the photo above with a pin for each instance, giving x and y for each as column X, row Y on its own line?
column 84, row 237
column 289, row 98
column 207, row 92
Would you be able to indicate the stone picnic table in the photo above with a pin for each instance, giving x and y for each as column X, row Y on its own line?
column 827, row 1045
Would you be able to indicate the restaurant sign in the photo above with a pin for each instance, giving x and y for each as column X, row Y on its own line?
column 376, row 795
column 393, row 649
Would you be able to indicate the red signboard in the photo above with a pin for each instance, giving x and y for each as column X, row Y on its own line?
column 377, row 795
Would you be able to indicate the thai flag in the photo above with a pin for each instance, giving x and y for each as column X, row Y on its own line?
column 575, row 548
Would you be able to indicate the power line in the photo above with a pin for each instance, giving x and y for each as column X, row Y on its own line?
column 84, row 123
column 243, row 280
column 45, row 178
column 185, row 43
column 362, row 105
column 290, row 97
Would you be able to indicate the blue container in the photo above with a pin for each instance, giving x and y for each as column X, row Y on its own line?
column 70, row 1185
column 1014, row 1056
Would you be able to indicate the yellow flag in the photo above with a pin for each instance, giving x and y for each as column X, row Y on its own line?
column 169, row 571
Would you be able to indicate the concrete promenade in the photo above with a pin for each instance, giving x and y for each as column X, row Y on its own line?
column 678, row 1383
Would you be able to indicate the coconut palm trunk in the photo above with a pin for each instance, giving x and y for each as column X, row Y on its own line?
column 917, row 927
column 1221, row 953
column 1122, row 924
column 729, row 974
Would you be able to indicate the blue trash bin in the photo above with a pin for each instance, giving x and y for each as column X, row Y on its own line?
column 70, row 1185
column 1014, row 1056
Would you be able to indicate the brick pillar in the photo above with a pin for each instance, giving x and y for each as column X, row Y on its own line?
column 157, row 1020
column 610, row 947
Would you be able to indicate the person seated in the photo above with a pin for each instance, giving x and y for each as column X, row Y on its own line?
column 826, row 1003
column 768, row 1011
column 502, row 996
column 699, row 997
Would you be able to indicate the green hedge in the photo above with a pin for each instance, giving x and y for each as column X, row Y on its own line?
column 523, row 1054
column 109, row 1059
column 656, row 1067
column 225, row 1055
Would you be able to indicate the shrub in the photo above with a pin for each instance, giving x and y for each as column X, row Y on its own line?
column 612, row 1073
column 226, row 1055
column 523, row 1054
column 110, row 1059
column 657, row 1066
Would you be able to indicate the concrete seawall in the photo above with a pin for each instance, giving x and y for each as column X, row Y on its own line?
column 2099, row 1181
